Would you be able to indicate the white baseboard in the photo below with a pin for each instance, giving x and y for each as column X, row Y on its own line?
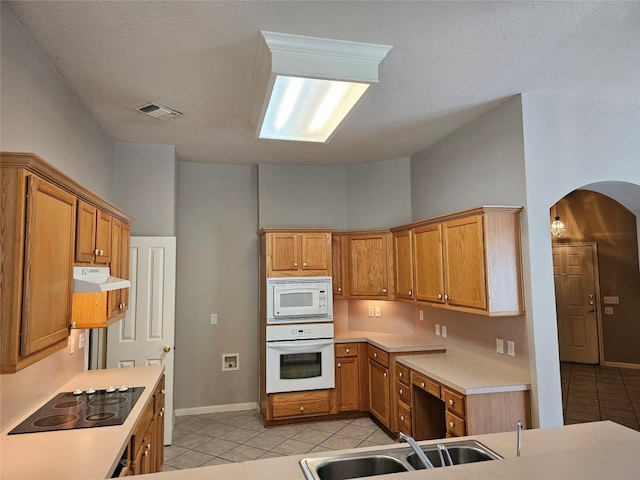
column 233, row 407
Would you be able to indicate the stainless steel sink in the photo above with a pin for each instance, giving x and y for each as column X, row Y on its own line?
column 392, row 460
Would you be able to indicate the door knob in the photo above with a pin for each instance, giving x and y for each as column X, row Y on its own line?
column 166, row 348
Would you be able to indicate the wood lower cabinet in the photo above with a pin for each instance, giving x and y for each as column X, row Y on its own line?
column 369, row 259
column 37, row 232
column 403, row 399
column 379, row 385
column 298, row 404
column 438, row 411
column 297, row 253
column 147, row 441
column 348, row 384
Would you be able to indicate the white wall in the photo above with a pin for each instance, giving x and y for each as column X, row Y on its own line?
column 302, row 196
column 41, row 114
column 568, row 143
column 146, row 181
column 379, row 194
column 217, row 273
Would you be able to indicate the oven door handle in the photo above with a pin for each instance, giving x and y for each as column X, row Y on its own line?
column 299, row 344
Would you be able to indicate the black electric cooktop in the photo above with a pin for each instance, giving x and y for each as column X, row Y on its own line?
column 70, row 410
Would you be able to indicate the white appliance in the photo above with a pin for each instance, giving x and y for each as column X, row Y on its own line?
column 96, row 279
column 299, row 300
column 299, row 357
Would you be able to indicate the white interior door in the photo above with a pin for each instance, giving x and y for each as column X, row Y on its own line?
column 146, row 335
column 575, row 286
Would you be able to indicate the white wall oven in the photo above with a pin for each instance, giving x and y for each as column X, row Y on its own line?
column 299, row 300
column 299, row 357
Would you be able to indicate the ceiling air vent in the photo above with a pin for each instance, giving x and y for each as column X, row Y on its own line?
column 158, row 111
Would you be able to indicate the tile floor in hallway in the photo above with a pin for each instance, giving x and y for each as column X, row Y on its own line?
column 216, row 438
column 592, row 393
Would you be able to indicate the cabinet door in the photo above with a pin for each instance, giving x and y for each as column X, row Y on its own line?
column 379, row 392
column 368, row 265
column 427, row 254
column 403, row 264
column 284, row 252
column 464, row 271
column 158, row 427
column 125, row 253
column 48, row 268
column 336, row 262
column 348, row 384
column 103, row 237
column 113, row 297
column 314, row 249
column 86, row 232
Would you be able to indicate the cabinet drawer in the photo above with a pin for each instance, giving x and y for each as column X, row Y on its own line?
column 404, row 418
column 346, row 349
column 454, row 401
column 426, row 384
column 378, row 355
column 141, row 429
column 404, row 393
column 455, row 425
column 300, row 404
column 403, row 374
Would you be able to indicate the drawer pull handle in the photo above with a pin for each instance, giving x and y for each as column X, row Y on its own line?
column 451, row 401
column 346, row 350
column 302, row 409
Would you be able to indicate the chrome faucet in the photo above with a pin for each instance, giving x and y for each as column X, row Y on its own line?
column 419, row 452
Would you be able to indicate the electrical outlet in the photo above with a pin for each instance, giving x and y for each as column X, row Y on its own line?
column 437, row 329
column 81, row 341
column 500, row 345
column 371, row 311
column 611, row 300
column 608, row 310
column 214, row 319
column 378, row 312
column 511, row 348
column 444, row 331
column 421, row 315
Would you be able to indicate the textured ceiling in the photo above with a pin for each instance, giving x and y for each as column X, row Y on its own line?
column 450, row 62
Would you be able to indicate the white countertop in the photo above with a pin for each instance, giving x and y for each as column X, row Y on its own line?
column 464, row 376
column 600, row 450
column 391, row 342
column 84, row 453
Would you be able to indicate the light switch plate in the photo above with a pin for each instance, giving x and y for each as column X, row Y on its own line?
column 371, row 311
column 421, row 315
column 444, row 331
column 378, row 312
column 611, row 300
column 437, row 329
column 500, row 345
column 511, row 348
column 214, row 319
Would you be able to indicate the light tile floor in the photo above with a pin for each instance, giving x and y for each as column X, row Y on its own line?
column 216, row 438
column 591, row 393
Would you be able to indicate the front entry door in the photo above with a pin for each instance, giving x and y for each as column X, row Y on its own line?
column 146, row 335
column 575, row 285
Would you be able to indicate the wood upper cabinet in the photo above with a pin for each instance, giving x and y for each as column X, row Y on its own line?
column 470, row 261
column 403, row 263
column 298, row 253
column 93, row 234
column 117, row 300
column 37, row 233
column 337, row 259
column 370, row 265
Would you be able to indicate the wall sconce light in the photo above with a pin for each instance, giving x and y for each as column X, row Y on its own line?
column 304, row 87
column 557, row 226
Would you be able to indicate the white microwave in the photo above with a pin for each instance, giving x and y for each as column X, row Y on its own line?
column 299, row 300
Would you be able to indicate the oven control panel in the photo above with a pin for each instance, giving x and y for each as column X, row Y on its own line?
column 299, row 332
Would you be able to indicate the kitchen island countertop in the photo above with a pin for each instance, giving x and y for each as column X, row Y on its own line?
column 84, row 453
column 599, row 450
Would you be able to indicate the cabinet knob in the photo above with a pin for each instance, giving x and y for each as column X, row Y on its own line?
column 451, row 424
column 410, row 293
column 339, row 364
column 402, row 418
column 346, row 350
column 400, row 374
column 304, row 264
column 295, row 264
column 375, row 355
column 166, row 348
column 385, row 374
column 96, row 252
column 401, row 391
column 450, row 401
column 339, row 289
column 146, row 453
column 446, row 297
column 302, row 409
column 149, row 446
column 384, row 290
column 422, row 384
column 439, row 296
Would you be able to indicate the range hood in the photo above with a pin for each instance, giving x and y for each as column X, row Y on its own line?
column 96, row 279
